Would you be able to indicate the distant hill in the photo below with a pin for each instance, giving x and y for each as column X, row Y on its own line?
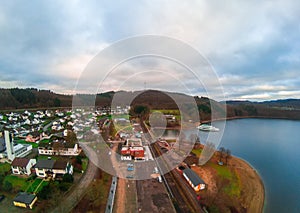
column 15, row 98
column 285, row 108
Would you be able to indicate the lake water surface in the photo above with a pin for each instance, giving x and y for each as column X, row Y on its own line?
column 272, row 147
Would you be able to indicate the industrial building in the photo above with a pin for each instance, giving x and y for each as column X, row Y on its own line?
column 10, row 150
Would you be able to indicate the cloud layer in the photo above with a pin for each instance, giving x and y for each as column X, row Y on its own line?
column 253, row 46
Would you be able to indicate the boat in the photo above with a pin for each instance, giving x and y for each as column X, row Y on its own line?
column 207, row 127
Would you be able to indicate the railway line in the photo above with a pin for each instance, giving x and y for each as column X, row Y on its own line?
column 179, row 191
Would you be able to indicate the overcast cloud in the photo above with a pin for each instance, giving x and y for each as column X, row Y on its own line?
column 254, row 46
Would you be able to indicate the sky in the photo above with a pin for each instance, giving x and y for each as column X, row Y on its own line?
column 253, row 46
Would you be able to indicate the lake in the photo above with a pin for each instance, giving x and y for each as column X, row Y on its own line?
column 272, row 147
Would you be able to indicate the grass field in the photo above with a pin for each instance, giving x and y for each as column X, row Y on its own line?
column 197, row 152
column 167, row 111
column 232, row 188
column 32, row 188
column 21, row 141
column 18, row 183
column 45, row 141
column 4, row 167
column 85, row 162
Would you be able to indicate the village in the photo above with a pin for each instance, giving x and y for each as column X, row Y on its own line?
column 45, row 150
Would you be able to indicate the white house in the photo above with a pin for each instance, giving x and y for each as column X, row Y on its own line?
column 21, row 166
column 193, row 179
column 51, row 168
column 48, row 149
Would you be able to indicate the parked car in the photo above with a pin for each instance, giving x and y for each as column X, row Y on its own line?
column 130, row 168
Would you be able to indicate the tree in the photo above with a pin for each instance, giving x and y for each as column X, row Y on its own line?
column 63, row 186
column 57, row 102
column 57, row 147
column 221, row 153
column 78, row 159
column 140, row 111
column 7, row 186
column 68, row 178
column 71, row 137
column 228, row 155
column 45, row 193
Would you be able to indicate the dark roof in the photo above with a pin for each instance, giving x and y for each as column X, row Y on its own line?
column 60, row 165
column 193, row 177
column 24, row 197
column 44, row 164
column 21, row 162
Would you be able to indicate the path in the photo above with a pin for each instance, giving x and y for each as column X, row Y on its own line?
column 74, row 196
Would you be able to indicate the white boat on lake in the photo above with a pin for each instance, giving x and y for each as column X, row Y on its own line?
column 208, row 128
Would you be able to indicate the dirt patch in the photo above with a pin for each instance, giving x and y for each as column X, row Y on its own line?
column 207, row 175
column 120, row 196
column 252, row 191
column 235, row 187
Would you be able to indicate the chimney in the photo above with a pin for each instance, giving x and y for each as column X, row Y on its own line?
column 9, row 145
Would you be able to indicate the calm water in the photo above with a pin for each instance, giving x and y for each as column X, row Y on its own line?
column 272, row 147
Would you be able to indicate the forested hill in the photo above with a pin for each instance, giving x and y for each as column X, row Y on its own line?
column 16, row 98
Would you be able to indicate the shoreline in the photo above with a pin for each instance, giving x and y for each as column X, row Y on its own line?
column 247, row 117
column 257, row 203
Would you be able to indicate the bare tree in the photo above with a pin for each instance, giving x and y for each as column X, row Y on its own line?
column 228, row 155
column 221, row 153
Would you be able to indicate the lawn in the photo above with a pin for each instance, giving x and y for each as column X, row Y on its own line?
column 21, row 141
column 223, row 171
column 4, row 167
column 233, row 188
column 197, row 152
column 18, row 183
column 45, row 141
column 84, row 163
column 36, row 183
column 167, row 112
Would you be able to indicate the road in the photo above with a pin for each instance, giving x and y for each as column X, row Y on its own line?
column 74, row 196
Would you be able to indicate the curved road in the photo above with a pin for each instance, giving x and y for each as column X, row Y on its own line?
column 75, row 195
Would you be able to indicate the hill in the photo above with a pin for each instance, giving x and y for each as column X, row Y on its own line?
column 15, row 98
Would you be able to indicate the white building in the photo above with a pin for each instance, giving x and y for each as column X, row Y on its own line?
column 12, row 151
column 52, row 168
column 22, row 166
column 48, row 149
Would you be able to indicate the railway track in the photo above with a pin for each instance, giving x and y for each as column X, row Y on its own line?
column 182, row 197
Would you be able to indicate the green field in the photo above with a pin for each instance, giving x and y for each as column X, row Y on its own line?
column 85, row 162
column 167, row 111
column 18, row 183
column 197, row 152
column 4, row 167
column 233, row 187
column 22, row 141
column 45, row 141
column 32, row 188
